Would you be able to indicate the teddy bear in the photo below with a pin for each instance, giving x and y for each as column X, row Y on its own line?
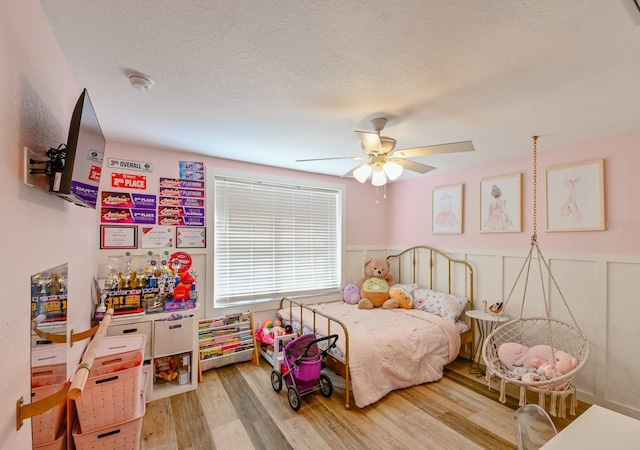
column 405, row 300
column 374, row 287
column 377, row 268
column 540, row 357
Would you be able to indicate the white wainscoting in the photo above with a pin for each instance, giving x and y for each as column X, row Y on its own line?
column 601, row 292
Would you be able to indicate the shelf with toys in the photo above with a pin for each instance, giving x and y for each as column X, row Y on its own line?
column 226, row 340
column 157, row 300
column 272, row 337
column 164, row 284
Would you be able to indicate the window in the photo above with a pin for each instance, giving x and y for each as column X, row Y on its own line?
column 274, row 240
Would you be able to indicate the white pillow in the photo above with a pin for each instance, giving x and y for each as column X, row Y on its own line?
column 443, row 304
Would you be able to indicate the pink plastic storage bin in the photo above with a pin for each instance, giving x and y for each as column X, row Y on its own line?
column 117, row 353
column 59, row 444
column 110, row 399
column 116, row 363
column 125, row 435
column 46, row 426
column 48, row 365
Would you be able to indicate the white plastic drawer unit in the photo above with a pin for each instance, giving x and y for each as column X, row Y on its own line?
column 173, row 336
column 134, row 328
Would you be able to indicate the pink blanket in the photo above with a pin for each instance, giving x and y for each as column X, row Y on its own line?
column 388, row 349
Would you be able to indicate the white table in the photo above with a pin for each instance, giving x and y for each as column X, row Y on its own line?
column 598, row 428
column 487, row 322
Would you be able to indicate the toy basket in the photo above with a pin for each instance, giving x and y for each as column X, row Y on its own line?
column 116, row 363
column 59, row 444
column 46, row 426
column 125, row 435
column 110, row 399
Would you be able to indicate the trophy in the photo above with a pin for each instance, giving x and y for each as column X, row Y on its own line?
column 127, row 270
column 140, row 277
column 101, row 309
column 113, row 273
column 193, row 294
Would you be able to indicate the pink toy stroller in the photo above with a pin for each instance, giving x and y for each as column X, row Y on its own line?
column 301, row 368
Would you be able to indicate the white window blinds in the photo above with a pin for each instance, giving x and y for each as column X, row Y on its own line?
column 274, row 240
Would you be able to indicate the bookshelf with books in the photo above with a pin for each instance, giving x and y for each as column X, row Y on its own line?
column 226, row 340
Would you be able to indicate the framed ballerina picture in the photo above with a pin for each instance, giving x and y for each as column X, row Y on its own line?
column 446, row 209
column 575, row 197
column 501, row 204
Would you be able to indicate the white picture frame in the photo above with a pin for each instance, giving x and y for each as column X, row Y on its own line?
column 574, row 197
column 447, row 209
column 501, row 204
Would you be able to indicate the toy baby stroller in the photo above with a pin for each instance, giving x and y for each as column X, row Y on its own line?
column 301, row 368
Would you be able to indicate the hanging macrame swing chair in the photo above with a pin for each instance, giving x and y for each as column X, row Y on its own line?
column 530, row 331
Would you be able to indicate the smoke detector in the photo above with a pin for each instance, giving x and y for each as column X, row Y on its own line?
column 140, row 82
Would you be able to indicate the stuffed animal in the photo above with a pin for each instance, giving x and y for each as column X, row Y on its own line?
column 278, row 329
column 374, row 294
column 405, row 300
column 378, row 268
column 165, row 368
column 539, row 357
column 374, row 287
column 351, row 294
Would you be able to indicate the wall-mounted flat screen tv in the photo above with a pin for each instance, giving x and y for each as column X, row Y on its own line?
column 78, row 182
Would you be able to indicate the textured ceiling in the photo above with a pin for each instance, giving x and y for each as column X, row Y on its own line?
column 274, row 81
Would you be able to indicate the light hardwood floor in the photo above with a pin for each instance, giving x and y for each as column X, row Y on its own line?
column 236, row 408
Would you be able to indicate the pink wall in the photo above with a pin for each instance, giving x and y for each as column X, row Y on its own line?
column 409, row 202
column 366, row 220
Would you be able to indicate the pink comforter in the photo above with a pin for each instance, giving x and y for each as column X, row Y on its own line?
column 388, row 349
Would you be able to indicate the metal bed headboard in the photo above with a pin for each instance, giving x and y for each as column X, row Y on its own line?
column 415, row 254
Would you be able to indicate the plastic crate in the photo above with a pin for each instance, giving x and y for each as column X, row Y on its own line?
column 46, row 426
column 116, row 363
column 48, row 375
column 124, row 435
column 118, row 353
column 59, row 444
column 110, row 399
column 48, row 365
column 132, row 329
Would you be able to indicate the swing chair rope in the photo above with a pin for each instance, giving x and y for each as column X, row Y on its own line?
column 529, row 331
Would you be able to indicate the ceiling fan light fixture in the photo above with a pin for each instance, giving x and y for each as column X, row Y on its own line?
column 362, row 173
column 393, row 170
column 378, row 178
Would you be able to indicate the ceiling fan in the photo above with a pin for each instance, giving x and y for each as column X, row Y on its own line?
column 385, row 162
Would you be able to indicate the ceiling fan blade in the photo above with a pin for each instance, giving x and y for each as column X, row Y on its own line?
column 370, row 141
column 353, row 158
column 413, row 166
column 453, row 147
column 350, row 173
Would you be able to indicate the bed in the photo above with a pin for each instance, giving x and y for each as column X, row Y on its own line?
column 381, row 350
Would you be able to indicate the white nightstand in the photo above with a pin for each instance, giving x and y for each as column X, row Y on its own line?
column 487, row 322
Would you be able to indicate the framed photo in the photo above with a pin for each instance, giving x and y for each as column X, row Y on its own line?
column 157, row 237
column 446, row 206
column 575, row 197
column 118, row 236
column 501, row 204
column 191, row 237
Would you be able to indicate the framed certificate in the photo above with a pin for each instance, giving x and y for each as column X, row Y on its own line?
column 157, row 237
column 191, row 237
column 118, row 236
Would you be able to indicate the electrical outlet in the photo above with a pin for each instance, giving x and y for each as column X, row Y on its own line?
column 28, row 178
